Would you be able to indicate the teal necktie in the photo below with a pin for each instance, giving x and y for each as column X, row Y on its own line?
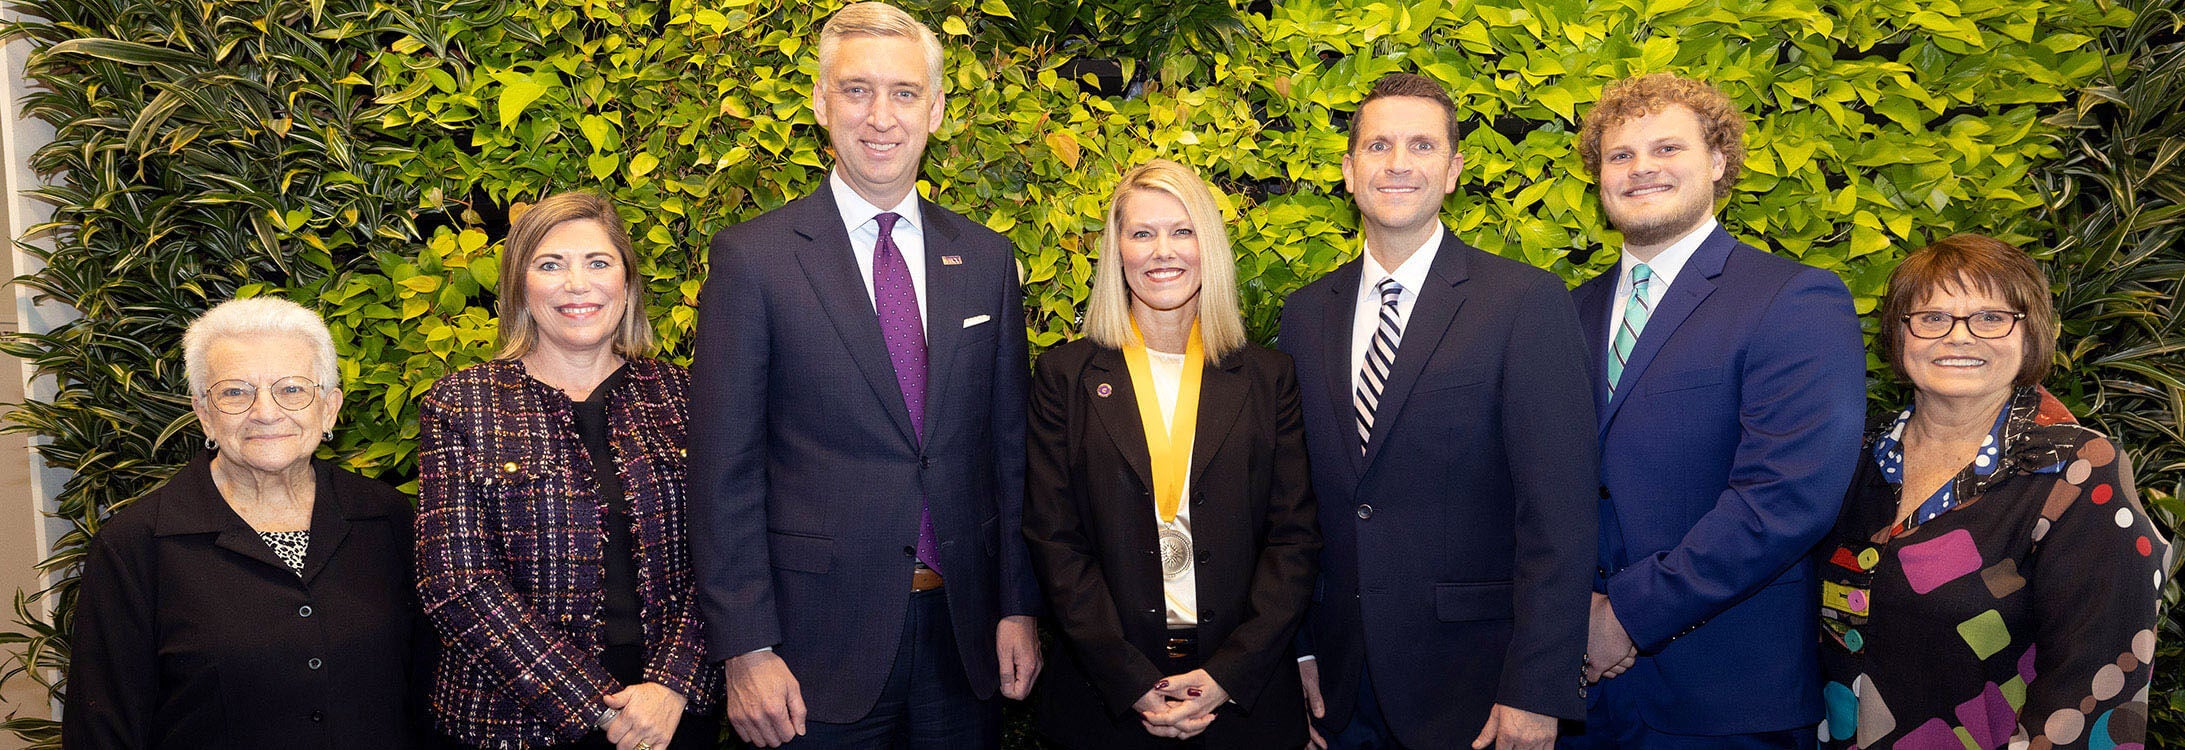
column 1627, row 331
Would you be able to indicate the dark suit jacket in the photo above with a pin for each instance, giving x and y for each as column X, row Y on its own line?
column 1089, row 516
column 806, row 479
column 190, row 633
column 1724, row 458
column 1458, row 546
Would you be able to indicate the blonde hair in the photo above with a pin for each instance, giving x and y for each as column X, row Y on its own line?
column 883, row 20
column 518, row 332
column 1107, row 316
column 254, row 318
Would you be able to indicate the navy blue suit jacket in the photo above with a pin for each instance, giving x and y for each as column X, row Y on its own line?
column 806, row 478
column 1458, row 546
column 1724, row 458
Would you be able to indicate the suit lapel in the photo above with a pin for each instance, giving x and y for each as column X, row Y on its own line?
column 1221, row 397
column 1117, row 410
column 831, row 266
column 1593, row 309
column 1339, row 315
column 1439, row 299
column 947, row 299
column 1694, row 283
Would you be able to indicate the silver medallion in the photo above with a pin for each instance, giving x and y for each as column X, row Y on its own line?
column 1175, row 552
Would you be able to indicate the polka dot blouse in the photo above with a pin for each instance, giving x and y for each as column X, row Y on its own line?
column 2015, row 608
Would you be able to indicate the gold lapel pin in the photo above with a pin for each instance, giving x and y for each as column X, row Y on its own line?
column 1105, row 390
column 952, row 260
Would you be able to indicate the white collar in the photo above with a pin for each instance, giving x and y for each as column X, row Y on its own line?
column 856, row 211
column 1670, row 260
column 1411, row 273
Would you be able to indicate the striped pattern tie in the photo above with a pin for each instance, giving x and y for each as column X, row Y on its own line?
column 1627, row 332
column 1379, row 358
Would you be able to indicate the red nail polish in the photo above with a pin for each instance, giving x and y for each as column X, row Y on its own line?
column 1194, row 692
column 1164, row 683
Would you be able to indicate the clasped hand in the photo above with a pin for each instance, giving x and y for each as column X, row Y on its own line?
column 1181, row 706
column 647, row 714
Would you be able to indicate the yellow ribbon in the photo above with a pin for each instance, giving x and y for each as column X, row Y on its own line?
column 1170, row 449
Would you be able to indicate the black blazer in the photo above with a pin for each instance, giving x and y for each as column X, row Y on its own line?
column 805, row 472
column 1461, row 544
column 1090, row 521
column 190, row 633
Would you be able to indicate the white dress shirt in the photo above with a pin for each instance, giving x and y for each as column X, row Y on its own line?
column 1665, row 266
column 861, row 218
column 1411, row 274
column 1182, row 594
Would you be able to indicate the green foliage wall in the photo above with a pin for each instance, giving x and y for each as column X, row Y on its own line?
column 362, row 157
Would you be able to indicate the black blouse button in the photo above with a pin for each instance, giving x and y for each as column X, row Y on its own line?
column 314, row 663
column 303, row 611
column 318, row 717
column 1364, row 511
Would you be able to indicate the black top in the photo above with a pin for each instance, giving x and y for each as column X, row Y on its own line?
column 191, row 633
column 619, row 616
column 2027, row 610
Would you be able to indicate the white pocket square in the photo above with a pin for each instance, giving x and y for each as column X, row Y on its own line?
column 975, row 320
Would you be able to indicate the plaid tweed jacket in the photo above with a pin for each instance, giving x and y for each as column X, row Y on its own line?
column 510, row 551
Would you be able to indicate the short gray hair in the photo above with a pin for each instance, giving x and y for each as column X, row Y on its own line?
column 255, row 317
column 881, row 20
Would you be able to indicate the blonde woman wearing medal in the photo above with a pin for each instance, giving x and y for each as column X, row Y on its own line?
column 1168, row 508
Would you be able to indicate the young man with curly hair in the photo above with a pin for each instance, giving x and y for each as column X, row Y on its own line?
column 1731, row 385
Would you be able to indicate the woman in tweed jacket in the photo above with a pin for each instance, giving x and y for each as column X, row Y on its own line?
column 550, row 548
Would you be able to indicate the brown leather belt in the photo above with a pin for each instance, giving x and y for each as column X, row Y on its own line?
column 923, row 578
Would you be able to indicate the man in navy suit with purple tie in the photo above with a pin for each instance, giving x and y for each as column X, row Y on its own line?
column 857, row 436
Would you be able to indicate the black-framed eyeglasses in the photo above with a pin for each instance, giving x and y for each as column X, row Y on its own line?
column 293, row 393
column 1982, row 324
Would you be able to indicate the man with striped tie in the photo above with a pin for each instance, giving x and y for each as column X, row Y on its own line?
column 1732, row 389
column 1447, row 417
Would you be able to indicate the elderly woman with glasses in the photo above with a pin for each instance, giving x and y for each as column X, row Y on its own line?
column 260, row 598
column 1993, row 579
column 551, row 545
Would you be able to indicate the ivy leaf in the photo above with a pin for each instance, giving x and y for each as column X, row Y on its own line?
column 954, row 26
column 485, row 271
column 603, row 164
column 996, row 8
column 1557, row 100
column 643, row 164
column 517, row 93
column 1064, row 146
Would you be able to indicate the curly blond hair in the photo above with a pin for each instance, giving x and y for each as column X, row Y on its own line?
column 1633, row 98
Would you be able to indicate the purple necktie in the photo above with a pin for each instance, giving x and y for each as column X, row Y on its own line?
column 897, row 302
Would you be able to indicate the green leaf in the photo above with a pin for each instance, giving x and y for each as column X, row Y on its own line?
column 486, row 271
column 517, row 94
column 954, row 26
column 996, row 8
column 603, row 165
